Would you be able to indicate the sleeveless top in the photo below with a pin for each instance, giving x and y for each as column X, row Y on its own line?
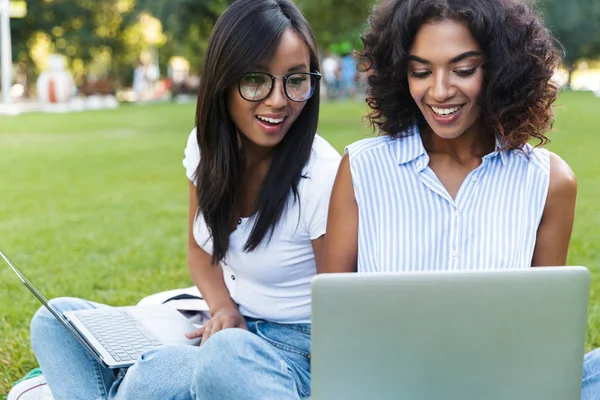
column 409, row 222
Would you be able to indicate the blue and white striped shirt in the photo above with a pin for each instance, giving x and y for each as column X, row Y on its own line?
column 409, row 222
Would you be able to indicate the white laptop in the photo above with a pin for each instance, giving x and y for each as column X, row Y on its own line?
column 116, row 336
column 494, row 335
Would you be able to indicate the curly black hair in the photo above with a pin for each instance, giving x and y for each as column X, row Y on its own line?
column 521, row 57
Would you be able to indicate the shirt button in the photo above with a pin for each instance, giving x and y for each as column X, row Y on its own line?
column 456, row 214
column 454, row 253
column 233, row 277
column 474, row 179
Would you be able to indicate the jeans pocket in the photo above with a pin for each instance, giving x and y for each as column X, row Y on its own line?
column 294, row 339
column 293, row 343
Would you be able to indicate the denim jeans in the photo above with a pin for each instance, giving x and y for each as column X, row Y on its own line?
column 269, row 361
column 591, row 376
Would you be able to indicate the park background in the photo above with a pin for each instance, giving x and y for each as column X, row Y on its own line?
column 93, row 196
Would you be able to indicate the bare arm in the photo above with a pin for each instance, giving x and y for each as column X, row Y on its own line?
column 209, row 279
column 554, row 232
column 317, row 246
column 340, row 250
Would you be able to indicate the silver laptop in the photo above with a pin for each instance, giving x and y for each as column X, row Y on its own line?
column 502, row 335
column 116, row 336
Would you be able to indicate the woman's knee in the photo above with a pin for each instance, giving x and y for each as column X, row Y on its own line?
column 237, row 364
column 43, row 316
column 44, row 326
column 162, row 373
column 223, row 356
column 591, row 364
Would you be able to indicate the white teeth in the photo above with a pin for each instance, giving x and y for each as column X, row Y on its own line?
column 271, row 120
column 445, row 111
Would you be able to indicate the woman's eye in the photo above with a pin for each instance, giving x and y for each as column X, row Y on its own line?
column 466, row 72
column 297, row 81
column 252, row 79
column 422, row 74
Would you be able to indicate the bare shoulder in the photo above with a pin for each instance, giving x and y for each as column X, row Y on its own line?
column 556, row 226
column 344, row 172
column 343, row 189
column 345, row 161
column 562, row 178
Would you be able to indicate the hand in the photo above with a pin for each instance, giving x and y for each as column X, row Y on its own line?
column 224, row 318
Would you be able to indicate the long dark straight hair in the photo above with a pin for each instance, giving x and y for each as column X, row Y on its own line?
column 246, row 34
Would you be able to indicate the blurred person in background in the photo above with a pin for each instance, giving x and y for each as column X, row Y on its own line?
column 331, row 75
column 348, row 76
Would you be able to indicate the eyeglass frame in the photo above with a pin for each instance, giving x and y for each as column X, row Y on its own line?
column 284, row 78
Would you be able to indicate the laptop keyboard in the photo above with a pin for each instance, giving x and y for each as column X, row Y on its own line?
column 120, row 334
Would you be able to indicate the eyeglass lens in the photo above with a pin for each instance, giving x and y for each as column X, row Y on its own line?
column 257, row 86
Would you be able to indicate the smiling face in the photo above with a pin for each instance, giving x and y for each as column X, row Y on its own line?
column 445, row 77
column 265, row 123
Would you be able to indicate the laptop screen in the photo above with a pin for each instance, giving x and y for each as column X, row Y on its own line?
column 27, row 282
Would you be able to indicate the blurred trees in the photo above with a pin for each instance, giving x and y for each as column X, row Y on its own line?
column 83, row 30
column 576, row 23
column 109, row 35
column 336, row 21
column 187, row 24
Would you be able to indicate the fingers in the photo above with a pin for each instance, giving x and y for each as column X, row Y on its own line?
column 235, row 323
column 216, row 324
column 229, row 323
column 210, row 329
column 243, row 325
column 204, row 338
column 195, row 334
column 207, row 333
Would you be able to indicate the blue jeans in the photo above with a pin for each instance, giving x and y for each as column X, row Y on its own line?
column 591, row 376
column 269, row 361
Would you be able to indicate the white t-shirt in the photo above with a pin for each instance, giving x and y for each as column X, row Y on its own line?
column 273, row 281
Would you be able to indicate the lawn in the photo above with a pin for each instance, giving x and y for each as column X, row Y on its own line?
column 94, row 205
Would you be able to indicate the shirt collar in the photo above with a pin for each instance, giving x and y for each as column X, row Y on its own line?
column 498, row 151
column 409, row 147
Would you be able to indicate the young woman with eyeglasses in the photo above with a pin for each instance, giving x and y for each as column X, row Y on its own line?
column 259, row 186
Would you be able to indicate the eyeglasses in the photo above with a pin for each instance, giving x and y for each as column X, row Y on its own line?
column 298, row 87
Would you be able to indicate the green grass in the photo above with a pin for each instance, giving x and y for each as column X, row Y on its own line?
column 94, row 205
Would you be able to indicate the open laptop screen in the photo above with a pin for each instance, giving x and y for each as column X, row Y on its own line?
column 27, row 282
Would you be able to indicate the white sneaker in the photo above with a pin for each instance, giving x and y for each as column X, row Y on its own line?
column 31, row 389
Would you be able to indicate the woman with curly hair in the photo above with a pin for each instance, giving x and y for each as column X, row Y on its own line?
column 458, row 90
